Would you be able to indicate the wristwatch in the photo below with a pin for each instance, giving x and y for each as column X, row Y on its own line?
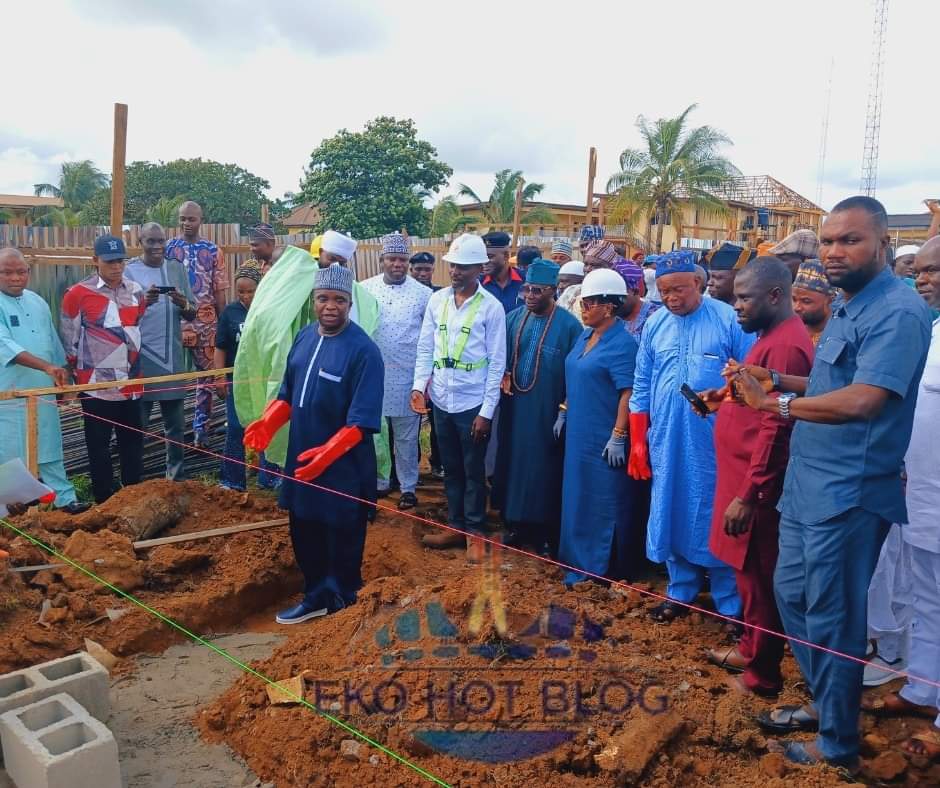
column 783, row 403
column 774, row 379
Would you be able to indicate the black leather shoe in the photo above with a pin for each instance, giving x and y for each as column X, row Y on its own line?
column 74, row 508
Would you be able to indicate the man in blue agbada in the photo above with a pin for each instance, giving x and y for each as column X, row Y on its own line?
column 687, row 342
column 332, row 395
column 529, row 459
column 31, row 356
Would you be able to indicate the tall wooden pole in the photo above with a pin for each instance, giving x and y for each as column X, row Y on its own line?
column 592, row 172
column 265, row 213
column 516, row 217
column 117, row 169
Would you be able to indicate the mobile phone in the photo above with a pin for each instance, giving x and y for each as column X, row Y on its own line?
column 165, row 289
column 697, row 402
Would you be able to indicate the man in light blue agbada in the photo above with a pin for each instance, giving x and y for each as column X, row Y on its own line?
column 31, row 356
column 687, row 342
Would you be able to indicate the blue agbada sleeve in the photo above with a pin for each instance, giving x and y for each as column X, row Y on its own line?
column 365, row 410
column 640, row 399
column 286, row 392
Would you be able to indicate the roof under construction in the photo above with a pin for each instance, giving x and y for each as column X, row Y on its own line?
column 762, row 191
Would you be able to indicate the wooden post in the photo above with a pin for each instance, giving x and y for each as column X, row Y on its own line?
column 117, row 169
column 516, row 217
column 265, row 212
column 32, row 436
column 592, row 172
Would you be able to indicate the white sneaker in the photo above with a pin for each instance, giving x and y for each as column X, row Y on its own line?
column 875, row 675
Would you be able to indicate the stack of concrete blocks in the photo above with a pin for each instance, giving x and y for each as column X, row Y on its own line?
column 52, row 725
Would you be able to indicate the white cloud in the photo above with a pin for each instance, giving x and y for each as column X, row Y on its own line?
column 526, row 85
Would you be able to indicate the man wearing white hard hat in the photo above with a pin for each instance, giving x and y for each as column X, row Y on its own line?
column 461, row 360
column 597, row 495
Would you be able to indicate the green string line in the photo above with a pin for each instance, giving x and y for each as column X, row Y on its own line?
column 246, row 668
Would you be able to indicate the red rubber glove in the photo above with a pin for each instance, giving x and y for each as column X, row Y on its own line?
column 319, row 458
column 639, row 465
column 261, row 432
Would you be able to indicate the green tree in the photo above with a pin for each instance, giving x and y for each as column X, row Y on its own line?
column 78, row 183
column 676, row 164
column 500, row 207
column 165, row 211
column 446, row 218
column 227, row 193
column 374, row 181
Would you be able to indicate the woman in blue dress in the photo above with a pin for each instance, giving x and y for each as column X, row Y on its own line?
column 597, row 494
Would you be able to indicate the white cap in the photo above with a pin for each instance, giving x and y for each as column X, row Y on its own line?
column 338, row 244
column 466, row 249
column 572, row 268
column 602, row 282
column 908, row 249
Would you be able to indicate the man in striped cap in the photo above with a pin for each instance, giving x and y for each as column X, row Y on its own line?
column 812, row 298
column 796, row 248
column 561, row 251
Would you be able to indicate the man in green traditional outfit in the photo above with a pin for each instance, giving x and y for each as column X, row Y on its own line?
column 281, row 308
column 529, row 461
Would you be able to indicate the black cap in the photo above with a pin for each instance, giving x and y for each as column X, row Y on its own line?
column 109, row 247
column 497, row 240
column 422, row 257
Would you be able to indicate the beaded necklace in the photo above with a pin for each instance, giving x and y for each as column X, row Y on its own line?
column 538, row 352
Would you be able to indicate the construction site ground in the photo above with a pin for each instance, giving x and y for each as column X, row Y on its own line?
column 581, row 689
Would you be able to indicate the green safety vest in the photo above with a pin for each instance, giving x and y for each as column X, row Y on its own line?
column 442, row 342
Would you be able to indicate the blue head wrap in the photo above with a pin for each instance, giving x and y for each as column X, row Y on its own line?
column 678, row 262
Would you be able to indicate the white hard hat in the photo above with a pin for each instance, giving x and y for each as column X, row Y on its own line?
column 572, row 268
column 466, row 249
column 603, row 282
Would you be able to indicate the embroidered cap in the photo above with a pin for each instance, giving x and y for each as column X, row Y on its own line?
column 334, row 277
column 395, row 243
column 812, row 276
column 679, row 262
column 542, row 272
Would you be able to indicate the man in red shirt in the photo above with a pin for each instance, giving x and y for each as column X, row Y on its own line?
column 752, row 450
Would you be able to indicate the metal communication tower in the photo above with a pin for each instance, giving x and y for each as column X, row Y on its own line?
column 873, row 116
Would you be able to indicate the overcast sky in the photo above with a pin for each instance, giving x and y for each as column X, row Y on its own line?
column 492, row 84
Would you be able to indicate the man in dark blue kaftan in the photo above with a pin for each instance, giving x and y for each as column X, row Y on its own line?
column 529, row 460
column 332, row 393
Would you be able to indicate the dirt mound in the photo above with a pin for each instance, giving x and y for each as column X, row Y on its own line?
column 209, row 586
column 582, row 689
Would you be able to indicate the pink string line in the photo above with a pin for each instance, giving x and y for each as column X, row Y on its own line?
column 520, row 551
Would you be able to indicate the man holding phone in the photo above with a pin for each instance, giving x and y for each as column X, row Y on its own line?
column 752, row 449
column 170, row 301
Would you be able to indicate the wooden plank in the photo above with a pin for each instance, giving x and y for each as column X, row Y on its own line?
column 32, row 435
column 117, row 169
column 197, row 535
column 31, row 394
column 516, row 216
column 592, row 172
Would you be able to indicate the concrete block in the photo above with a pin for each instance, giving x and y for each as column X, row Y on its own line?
column 55, row 743
column 79, row 675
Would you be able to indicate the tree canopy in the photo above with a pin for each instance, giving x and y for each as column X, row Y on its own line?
column 500, row 207
column 227, row 193
column 375, row 181
column 675, row 163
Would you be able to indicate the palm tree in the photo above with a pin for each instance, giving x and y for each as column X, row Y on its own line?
column 165, row 211
column 78, row 181
column 677, row 164
column 500, row 207
column 446, row 218
column 56, row 217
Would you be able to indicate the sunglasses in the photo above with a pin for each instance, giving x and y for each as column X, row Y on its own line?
column 534, row 289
